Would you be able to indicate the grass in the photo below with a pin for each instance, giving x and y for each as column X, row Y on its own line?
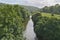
column 50, row 15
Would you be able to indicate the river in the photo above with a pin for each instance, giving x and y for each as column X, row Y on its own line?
column 29, row 32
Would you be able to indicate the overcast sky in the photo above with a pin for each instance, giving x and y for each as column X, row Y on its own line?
column 37, row 3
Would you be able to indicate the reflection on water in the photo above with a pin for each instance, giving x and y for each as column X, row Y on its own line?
column 29, row 32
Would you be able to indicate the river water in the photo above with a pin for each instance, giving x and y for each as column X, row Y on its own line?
column 29, row 32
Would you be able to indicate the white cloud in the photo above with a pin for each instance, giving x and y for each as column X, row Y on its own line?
column 41, row 3
column 37, row 3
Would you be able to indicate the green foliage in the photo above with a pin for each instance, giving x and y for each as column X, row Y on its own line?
column 11, row 22
column 51, row 9
column 47, row 28
column 31, row 9
column 36, row 17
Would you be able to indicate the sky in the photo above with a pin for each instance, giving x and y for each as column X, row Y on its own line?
column 36, row 3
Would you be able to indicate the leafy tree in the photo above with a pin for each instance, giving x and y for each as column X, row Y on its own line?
column 11, row 22
column 46, row 28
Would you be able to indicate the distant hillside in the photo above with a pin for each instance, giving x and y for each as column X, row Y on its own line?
column 31, row 8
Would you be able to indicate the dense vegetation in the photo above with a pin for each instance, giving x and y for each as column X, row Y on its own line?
column 47, row 26
column 51, row 9
column 31, row 9
column 13, row 19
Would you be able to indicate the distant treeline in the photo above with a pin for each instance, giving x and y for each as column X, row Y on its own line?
column 51, row 9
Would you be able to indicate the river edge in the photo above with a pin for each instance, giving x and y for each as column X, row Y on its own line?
column 29, row 33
